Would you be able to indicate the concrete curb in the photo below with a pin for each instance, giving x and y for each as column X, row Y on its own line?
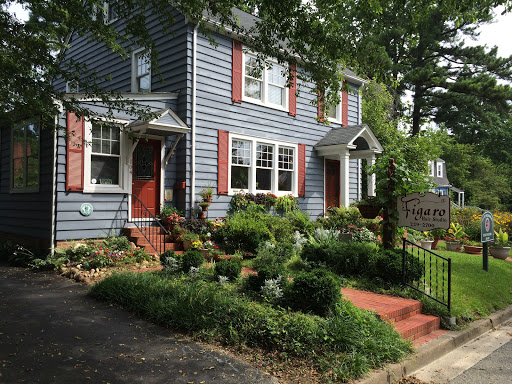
column 433, row 350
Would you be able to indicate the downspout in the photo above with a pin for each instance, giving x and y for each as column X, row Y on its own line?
column 193, row 125
column 54, row 187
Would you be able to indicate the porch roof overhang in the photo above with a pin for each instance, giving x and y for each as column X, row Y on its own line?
column 358, row 140
column 166, row 124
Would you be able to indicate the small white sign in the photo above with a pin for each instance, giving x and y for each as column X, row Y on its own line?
column 424, row 212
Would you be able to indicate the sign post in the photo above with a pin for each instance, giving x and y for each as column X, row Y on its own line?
column 486, row 235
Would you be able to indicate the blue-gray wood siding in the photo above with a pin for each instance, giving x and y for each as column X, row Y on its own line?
column 27, row 214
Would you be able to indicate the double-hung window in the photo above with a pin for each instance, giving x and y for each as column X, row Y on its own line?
column 25, row 139
column 265, row 85
column 260, row 165
column 141, row 71
column 104, row 170
column 431, row 167
column 334, row 113
column 439, row 169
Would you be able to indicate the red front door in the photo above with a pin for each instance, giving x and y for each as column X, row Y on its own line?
column 332, row 183
column 146, row 177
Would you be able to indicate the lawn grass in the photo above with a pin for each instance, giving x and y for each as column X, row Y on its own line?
column 475, row 292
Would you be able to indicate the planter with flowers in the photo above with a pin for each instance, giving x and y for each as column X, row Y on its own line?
column 473, row 248
column 206, row 194
column 426, row 241
column 204, row 206
column 500, row 249
column 207, row 248
column 177, row 233
column 369, row 207
column 456, row 238
column 190, row 240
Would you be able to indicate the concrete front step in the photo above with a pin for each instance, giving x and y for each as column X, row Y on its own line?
column 404, row 314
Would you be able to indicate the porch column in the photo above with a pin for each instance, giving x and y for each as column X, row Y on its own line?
column 344, row 179
column 371, row 178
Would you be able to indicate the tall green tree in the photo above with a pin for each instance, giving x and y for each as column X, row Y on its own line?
column 418, row 46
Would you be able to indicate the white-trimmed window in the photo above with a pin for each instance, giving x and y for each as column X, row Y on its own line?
column 141, row 71
column 264, row 85
column 439, row 169
column 72, row 87
column 261, row 165
column 431, row 168
column 25, row 163
column 104, row 170
column 106, row 12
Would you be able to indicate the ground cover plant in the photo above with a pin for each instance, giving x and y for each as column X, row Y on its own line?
column 343, row 345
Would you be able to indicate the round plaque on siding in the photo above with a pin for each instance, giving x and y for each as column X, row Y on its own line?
column 86, row 209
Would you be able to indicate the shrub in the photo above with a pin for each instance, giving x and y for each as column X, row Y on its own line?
column 301, row 221
column 316, row 292
column 140, row 254
column 118, row 243
column 79, row 251
column 171, row 261
column 192, row 258
column 228, row 268
column 269, row 253
column 389, row 266
column 345, row 259
column 338, row 217
column 265, row 272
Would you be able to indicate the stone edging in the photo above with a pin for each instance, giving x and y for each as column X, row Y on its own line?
column 433, row 350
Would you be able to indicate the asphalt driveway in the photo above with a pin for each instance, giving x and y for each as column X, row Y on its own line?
column 51, row 332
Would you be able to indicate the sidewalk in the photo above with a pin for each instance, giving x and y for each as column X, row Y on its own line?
column 51, row 332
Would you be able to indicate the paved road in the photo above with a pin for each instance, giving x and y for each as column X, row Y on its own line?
column 485, row 360
column 51, row 332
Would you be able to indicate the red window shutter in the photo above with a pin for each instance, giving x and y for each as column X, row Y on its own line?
column 75, row 153
column 320, row 114
column 344, row 107
column 223, row 163
column 302, row 170
column 292, row 99
column 236, row 83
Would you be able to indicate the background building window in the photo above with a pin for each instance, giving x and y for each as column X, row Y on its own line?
column 25, row 157
column 439, row 169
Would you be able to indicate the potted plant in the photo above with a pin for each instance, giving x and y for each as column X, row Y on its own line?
column 177, row 233
column 437, row 234
column 188, row 239
column 206, row 194
column 455, row 238
column 426, row 241
column 369, row 207
column 207, row 248
column 204, row 205
column 500, row 249
column 473, row 248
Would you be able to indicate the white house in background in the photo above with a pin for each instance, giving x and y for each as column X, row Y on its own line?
column 437, row 171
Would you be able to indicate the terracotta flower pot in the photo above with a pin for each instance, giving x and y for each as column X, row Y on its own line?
column 500, row 252
column 436, row 241
column 186, row 244
column 473, row 249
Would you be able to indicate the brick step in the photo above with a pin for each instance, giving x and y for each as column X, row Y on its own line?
column 417, row 326
column 389, row 308
column 133, row 231
column 143, row 240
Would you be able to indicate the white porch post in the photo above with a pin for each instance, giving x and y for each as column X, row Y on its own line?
column 371, row 178
column 344, row 179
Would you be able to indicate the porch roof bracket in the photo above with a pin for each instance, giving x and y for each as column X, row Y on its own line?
column 130, row 153
column 171, row 151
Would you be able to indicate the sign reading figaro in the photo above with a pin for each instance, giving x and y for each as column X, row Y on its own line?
column 424, row 212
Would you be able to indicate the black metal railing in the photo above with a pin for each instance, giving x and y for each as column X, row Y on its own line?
column 150, row 227
column 427, row 272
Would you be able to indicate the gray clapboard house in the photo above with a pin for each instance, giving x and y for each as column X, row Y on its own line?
column 218, row 125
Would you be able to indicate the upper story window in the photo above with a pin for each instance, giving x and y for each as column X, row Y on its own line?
column 439, row 169
column 141, row 71
column 259, row 165
column 334, row 113
column 431, row 168
column 265, row 85
column 72, row 87
column 106, row 11
column 103, row 166
column 25, row 139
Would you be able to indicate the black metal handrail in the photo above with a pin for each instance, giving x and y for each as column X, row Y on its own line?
column 436, row 279
column 146, row 223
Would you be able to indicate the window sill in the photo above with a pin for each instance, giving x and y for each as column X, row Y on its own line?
column 104, row 189
column 246, row 99
column 24, row 190
column 233, row 192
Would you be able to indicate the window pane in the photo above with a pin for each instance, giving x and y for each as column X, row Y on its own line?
column 32, row 171
column 285, row 158
column 285, row 181
column 253, row 88
column 275, row 95
column 332, row 112
column 144, row 83
column 96, row 132
column 96, row 145
column 241, row 152
column 18, row 174
column 252, row 69
column 105, row 146
column 276, row 75
column 18, row 143
column 239, row 177
column 264, row 154
column 105, row 170
column 115, row 148
column 263, row 179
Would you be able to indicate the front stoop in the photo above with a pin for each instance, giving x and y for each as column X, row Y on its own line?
column 404, row 314
column 153, row 232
